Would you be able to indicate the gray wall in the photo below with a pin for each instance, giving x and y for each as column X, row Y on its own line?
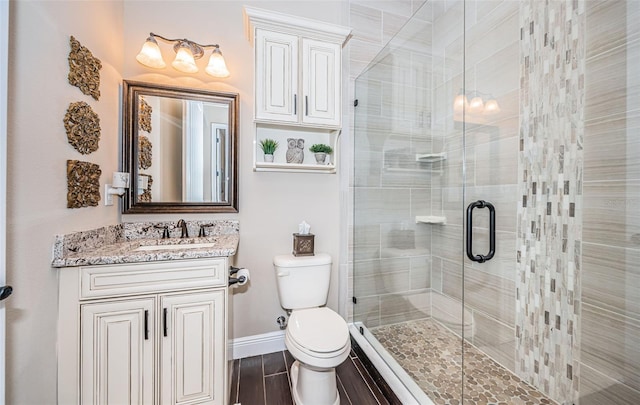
column 610, row 311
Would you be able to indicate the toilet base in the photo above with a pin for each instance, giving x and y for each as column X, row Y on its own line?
column 311, row 386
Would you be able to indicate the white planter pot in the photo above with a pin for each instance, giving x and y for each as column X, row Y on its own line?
column 268, row 158
column 320, row 158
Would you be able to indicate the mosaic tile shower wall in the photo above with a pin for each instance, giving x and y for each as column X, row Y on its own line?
column 550, row 172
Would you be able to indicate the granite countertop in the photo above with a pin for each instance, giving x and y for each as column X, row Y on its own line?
column 140, row 242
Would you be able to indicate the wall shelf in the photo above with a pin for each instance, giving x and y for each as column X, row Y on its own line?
column 294, row 167
column 431, row 157
column 281, row 134
column 403, row 159
column 409, row 170
column 431, row 219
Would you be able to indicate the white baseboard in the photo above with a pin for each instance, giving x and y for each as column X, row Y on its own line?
column 257, row 344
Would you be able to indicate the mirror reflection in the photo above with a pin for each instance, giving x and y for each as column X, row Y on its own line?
column 181, row 149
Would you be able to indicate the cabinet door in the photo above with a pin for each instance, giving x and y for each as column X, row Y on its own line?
column 193, row 348
column 276, row 76
column 321, row 82
column 117, row 365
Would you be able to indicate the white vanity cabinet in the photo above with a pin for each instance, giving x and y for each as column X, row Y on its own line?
column 117, row 352
column 144, row 333
column 192, row 350
column 298, row 79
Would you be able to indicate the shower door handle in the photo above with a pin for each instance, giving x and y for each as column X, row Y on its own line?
column 492, row 231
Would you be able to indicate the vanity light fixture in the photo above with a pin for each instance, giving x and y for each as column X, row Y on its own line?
column 477, row 105
column 187, row 52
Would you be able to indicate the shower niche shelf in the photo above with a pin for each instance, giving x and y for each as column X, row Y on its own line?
column 431, row 219
column 402, row 160
column 430, row 157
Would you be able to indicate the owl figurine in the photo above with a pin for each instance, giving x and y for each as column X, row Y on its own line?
column 295, row 151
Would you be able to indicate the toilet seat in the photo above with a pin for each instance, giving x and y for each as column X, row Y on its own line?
column 318, row 337
column 319, row 330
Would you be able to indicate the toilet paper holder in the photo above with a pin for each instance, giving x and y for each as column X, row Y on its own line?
column 241, row 279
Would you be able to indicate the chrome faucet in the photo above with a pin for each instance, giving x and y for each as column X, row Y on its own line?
column 183, row 228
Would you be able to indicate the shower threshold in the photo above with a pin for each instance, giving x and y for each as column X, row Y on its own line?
column 428, row 356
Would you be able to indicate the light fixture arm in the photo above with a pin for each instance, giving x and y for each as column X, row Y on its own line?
column 186, row 51
column 196, row 49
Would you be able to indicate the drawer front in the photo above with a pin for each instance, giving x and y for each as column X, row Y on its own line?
column 139, row 278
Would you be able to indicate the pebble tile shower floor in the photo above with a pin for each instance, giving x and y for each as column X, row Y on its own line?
column 432, row 354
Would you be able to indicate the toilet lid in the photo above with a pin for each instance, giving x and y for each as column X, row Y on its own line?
column 318, row 329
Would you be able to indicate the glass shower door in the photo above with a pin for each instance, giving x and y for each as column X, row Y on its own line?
column 408, row 217
column 505, row 128
column 490, row 107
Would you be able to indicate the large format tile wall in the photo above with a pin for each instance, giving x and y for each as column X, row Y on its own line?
column 390, row 252
column 610, row 307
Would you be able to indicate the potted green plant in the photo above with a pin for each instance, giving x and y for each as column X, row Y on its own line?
column 320, row 150
column 268, row 146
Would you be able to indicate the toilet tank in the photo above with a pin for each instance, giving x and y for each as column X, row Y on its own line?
column 303, row 281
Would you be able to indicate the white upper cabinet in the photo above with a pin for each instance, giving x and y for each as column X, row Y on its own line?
column 321, row 82
column 298, row 66
column 276, row 76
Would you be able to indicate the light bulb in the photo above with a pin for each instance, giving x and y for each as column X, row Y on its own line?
column 460, row 103
column 150, row 54
column 476, row 105
column 184, row 60
column 217, row 66
column 491, row 107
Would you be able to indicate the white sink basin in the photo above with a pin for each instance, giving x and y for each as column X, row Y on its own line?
column 176, row 247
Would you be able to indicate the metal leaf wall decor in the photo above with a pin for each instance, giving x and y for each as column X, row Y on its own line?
column 146, row 193
column 144, row 152
column 83, row 184
column 84, row 69
column 144, row 115
column 83, row 127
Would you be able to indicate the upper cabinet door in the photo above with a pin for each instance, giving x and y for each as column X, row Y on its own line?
column 321, row 82
column 276, row 76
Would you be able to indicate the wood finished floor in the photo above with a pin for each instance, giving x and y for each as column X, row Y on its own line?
column 264, row 380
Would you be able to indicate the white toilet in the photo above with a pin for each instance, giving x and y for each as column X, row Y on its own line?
column 316, row 337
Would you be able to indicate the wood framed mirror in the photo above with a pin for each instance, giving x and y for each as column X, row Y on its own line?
column 180, row 147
